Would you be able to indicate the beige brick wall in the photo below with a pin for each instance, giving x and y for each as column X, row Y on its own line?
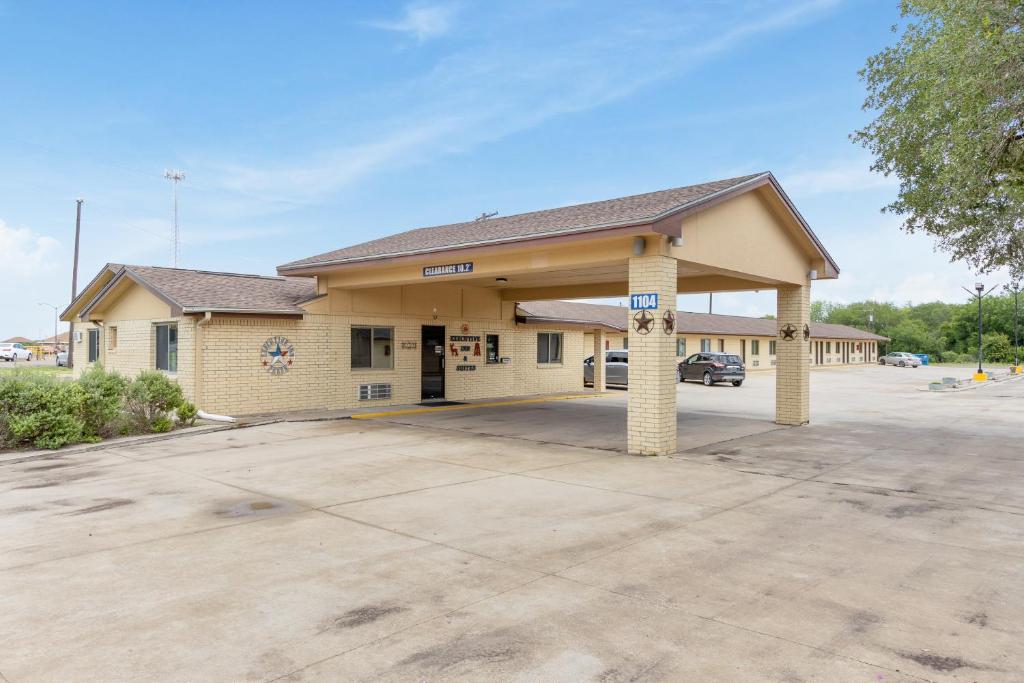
column 129, row 346
column 651, row 421
column 792, row 382
column 235, row 382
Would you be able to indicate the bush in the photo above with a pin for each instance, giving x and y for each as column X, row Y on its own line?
column 187, row 413
column 150, row 397
column 42, row 411
column 162, row 424
column 104, row 407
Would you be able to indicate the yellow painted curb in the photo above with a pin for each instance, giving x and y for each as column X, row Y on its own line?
column 468, row 406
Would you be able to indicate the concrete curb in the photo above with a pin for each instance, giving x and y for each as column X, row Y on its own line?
column 24, row 456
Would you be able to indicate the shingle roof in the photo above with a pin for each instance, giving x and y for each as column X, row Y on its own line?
column 17, row 340
column 633, row 210
column 617, row 318
column 197, row 291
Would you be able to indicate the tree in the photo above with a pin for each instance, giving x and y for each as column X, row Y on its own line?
column 950, row 126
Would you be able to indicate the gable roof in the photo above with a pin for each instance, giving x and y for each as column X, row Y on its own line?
column 617, row 318
column 199, row 291
column 637, row 209
column 16, row 340
column 61, row 338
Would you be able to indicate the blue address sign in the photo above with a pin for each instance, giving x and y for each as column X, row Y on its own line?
column 642, row 302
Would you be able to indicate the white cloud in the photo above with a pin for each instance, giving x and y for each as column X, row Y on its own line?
column 24, row 252
column 421, row 21
column 499, row 86
column 843, row 175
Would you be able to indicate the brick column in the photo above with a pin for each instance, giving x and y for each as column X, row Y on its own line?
column 792, row 375
column 652, row 361
column 599, row 375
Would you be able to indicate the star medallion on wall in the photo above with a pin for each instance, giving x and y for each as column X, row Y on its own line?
column 642, row 322
column 788, row 332
column 668, row 322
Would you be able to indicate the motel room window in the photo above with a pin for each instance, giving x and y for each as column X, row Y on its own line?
column 94, row 345
column 372, row 347
column 721, row 346
column 771, row 348
column 111, row 337
column 828, row 347
column 549, row 347
column 705, row 345
column 625, row 342
column 681, row 347
column 167, row 347
column 755, row 347
column 493, row 354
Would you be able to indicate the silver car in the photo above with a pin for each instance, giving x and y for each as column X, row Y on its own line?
column 616, row 368
column 900, row 358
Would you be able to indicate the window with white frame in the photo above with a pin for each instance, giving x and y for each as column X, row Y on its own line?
column 705, row 345
column 755, row 347
column 681, row 346
column 771, row 348
column 549, row 347
column 166, row 346
column 372, row 347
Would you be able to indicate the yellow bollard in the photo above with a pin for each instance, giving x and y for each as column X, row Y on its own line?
column 1019, row 370
column 980, row 377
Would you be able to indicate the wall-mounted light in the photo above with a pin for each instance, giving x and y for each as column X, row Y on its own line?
column 501, row 280
column 812, row 274
column 639, row 244
column 677, row 241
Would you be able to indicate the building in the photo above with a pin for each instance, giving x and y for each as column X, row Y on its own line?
column 431, row 313
column 753, row 339
column 17, row 340
column 51, row 343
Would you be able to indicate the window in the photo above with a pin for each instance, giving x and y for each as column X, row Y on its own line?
column 94, row 345
column 721, row 345
column 828, row 347
column 625, row 342
column 771, row 348
column 492, row 349
column 617, row 357
column 111, row 337
column 371, row 347
column 705, row 345
column 167, row 347
column 549, row 347
column 681, row 346
column 755, row 347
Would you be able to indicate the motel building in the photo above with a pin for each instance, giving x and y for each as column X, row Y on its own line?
column 452, row 312
column 752, row 339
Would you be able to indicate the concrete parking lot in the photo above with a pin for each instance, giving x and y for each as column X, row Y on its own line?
column 884, row 542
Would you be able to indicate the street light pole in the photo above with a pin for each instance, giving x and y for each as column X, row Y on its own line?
column 55, row 313
column 980, row 375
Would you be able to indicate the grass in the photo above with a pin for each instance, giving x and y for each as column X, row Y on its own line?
column 41, row 369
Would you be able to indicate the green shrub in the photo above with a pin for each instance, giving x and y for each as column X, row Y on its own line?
column 187, row 413
column 104, row 407
column 42, row 411
column 150, row 397
column 162, row 424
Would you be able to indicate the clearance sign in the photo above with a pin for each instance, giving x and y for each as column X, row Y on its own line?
column 448, row 269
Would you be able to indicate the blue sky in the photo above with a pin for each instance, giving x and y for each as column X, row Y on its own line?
column 303, row 127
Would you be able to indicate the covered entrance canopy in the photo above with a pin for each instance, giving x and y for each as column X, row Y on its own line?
column 728, row 235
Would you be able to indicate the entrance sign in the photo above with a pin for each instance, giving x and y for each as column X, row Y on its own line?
column 448, row 269
column 643, row 302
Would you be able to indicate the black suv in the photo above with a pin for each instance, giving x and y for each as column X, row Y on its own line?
column 712, row 367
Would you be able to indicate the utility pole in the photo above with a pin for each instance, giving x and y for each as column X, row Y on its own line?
column 74, row 282
column 980, row 375
column 1016, row 322
column 55, row 310
column 175, row 177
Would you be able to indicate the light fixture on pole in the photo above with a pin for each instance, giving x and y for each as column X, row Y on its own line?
column 175, row 177
column 980, row 375
column 55, row 317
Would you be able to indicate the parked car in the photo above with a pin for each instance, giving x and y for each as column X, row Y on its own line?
column 900, row 358
column 616, row 368
column 14, row 352
column 713, row 367
column 62, row 359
